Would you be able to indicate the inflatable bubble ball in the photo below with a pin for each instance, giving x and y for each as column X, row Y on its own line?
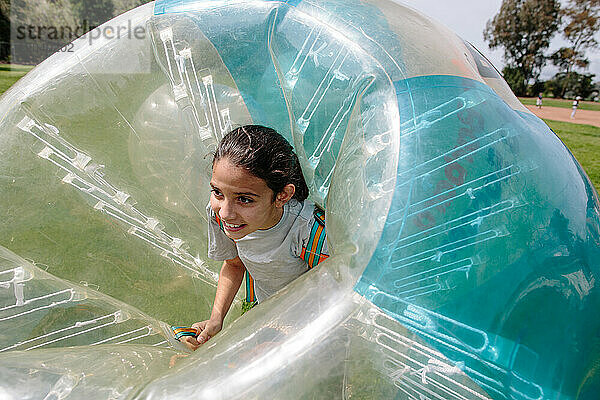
column 464, row 236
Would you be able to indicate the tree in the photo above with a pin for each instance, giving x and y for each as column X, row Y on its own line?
column 71, row 18
column 94, row 12
column 4, row 30
column 537, row 88
column 31, row 39
column 524, row 29
column 125, row 5
column 582, row 22
column 515, row 79
column 572, row 84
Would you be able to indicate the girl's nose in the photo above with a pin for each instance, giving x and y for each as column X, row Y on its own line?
column 227, row 211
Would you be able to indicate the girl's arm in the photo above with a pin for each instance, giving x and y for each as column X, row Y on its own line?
column 230, row 279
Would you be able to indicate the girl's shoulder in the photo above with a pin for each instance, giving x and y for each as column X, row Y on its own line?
column 312, row 237
column 310, row 218
column 307, row 211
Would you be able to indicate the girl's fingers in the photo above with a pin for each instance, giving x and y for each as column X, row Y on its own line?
column 206, row 334
column 191, row 342
column 199, row 326
column 203, row 337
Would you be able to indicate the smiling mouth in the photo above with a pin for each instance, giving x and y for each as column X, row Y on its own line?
column 233, row 227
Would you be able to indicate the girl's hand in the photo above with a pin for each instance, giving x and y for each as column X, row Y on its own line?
column 190, row 342
column 230, row 279
column 206, row 329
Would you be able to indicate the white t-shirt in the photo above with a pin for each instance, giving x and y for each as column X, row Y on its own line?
column 273, row 256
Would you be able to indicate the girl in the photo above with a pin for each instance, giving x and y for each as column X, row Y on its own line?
column 260, row 222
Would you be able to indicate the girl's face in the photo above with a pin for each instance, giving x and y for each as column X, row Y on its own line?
column 243, row 202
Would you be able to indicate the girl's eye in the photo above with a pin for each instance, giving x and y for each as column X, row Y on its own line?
column 216, row 192
column 245, row 200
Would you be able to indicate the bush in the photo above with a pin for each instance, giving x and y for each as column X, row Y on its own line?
column 515, row 79
column 537, row 88
column 571, row 84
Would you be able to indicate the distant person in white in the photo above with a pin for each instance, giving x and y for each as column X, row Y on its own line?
column 575, row 105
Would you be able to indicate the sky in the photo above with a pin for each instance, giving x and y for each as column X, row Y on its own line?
column 468, row 18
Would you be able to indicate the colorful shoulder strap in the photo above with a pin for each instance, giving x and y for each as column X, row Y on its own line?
column 250, row 295
column 312, row 252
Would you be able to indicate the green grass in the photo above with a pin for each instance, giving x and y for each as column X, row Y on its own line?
column 584, row 143
column 560, row 103
column 10, row 73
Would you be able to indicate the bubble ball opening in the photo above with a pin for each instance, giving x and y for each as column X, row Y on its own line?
column 465, row 237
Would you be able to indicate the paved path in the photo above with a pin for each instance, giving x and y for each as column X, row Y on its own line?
column 564, row 114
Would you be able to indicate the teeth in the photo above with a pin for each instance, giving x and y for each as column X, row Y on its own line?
column 231, row 225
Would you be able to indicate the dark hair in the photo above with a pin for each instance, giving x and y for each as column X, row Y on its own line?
column 265, row 154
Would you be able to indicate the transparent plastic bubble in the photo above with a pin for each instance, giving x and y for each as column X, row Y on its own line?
column 465, row 237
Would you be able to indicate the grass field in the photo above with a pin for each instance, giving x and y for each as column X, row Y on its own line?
column 9, row 74
column 584, row 143
column 583, row 105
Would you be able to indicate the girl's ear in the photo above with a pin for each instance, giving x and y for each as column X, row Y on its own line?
column 285, row 195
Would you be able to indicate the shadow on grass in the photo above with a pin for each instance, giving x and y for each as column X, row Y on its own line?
column 15, row 67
